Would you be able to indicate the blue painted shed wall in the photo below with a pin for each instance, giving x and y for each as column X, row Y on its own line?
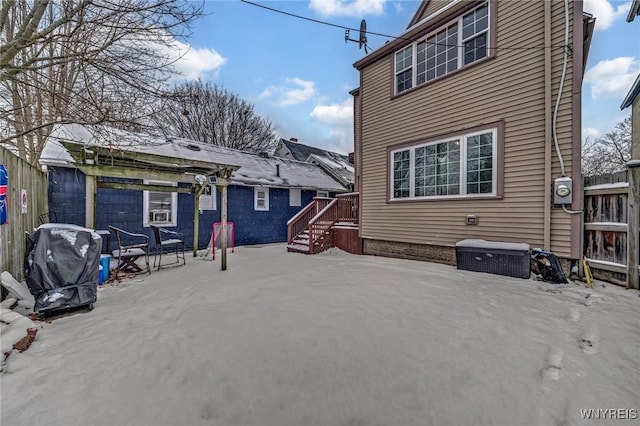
column 124, row 209
column 67, row 195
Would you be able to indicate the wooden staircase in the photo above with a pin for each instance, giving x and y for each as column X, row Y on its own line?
column 311, row 230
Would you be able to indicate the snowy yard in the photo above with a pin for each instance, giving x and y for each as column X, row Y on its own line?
column 333, row 339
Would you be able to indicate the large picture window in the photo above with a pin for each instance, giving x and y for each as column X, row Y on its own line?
column 459, row 166
column 160, row 208
column 458, row 43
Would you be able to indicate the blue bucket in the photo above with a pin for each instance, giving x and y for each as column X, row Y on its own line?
column 105, row 261
column 100, row 275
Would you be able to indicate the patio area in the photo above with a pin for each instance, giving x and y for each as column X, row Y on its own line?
column 332, row 339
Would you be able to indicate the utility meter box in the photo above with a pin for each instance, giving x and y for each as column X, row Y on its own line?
column 563, row 190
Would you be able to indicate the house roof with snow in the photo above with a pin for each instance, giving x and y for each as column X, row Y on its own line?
column 335, row 164
column 69, row 144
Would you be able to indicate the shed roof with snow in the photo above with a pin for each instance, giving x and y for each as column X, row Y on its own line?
column 73, row 144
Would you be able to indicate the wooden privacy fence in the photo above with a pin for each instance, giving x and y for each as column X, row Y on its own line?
column 606, row 226
column 26, row 200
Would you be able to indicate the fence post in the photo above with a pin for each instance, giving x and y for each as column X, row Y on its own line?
column 633, row 219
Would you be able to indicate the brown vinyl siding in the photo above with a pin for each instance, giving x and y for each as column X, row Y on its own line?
column 508, row 87
column 433, row 7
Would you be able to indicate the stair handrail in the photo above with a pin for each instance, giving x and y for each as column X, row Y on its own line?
column 329, row 209
column 299, row 222
column 321, row 212
column 301, row 212
column 351, row 200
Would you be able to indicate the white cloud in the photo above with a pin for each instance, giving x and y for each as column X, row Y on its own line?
column 604, row 12
column 295, row 91
column 590, row 133
column 193, row 62
column 399, row 7
column 613, row 76
column 334, row 115
column 339, row 117
column 356, row 8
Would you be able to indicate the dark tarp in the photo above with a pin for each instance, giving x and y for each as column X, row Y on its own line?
column 61, row 266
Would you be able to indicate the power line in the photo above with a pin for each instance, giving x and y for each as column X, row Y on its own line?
column 330, row 24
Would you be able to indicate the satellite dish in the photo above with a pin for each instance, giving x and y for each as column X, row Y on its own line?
column 362, row 38
column 362, row 41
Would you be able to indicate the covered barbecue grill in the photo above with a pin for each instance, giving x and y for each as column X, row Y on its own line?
column 61, row 266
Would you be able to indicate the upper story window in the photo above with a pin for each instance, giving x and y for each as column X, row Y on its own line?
column 452, row 46
column 462, row 165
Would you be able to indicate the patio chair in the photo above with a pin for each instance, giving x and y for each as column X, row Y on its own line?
column 167, row 240
column 131, row 247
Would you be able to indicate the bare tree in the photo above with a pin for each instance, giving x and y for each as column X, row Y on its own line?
column 84, row 61
column 609, row 152
column 207, row 113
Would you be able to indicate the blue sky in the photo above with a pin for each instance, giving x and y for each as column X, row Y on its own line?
column 298, row 73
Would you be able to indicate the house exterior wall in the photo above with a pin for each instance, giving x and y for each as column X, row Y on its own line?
column 508, row 88
column 635, row 129
column 124, row 209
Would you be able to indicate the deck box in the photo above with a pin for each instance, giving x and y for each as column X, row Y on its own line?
column 510, row 259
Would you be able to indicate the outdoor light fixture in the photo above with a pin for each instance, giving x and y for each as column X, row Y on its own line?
column 200, row 179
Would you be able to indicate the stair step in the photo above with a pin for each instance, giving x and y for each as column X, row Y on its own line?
column 299, row 248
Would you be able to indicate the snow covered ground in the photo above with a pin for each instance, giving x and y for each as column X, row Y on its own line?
column 333, row 339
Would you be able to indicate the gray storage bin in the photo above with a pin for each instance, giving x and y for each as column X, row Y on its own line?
column 510, row 259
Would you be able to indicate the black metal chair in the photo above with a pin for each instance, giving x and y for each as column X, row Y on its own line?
column 166, row 241
column 131, row 247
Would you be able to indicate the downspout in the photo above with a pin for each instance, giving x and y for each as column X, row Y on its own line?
column 547, row 127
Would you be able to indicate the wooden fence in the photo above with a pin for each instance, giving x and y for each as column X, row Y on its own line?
column 26, row 200
column 606, row 226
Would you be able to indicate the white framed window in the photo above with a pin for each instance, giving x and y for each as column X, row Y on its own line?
column 208, row 199
column 324, row 194
column 475, row 37
column 460, row 166
column 295, row 197
column 452, row 46
column 261, row 198
column 160, row 208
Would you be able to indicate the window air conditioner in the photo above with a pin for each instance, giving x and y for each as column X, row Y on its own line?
column 160, row 216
